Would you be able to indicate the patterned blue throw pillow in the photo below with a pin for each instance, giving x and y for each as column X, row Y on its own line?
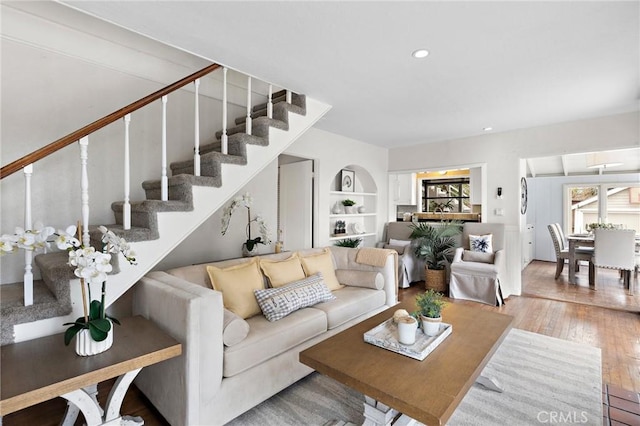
column 481, row 243
column 277, row 303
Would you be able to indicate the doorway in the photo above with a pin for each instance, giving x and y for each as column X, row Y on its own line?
column 295, row 202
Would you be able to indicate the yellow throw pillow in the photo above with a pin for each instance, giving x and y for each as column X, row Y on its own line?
column 322, row 263
column 282, row 272
column 237, row 284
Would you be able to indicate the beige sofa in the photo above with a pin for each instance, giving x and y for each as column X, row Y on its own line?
column 220, row 375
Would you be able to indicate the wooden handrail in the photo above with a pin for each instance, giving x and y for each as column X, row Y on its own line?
column 39, row 154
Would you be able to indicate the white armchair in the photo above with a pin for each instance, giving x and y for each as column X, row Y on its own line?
column 477, row 276
column 410, row 268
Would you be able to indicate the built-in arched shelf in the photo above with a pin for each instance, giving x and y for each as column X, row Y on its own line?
column 362, row 223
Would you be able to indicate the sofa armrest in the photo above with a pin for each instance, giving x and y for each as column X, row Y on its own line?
column 345, row 258
column 193, row 315
column 457, row 256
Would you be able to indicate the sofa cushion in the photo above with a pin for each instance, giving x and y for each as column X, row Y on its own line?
column 281, row 272
column 323, row 263
column 268, row 339
column 350, row 302
column 277, row 303
column 237, row 283
column 234, row 329
column 477, row 256
column 355, row 278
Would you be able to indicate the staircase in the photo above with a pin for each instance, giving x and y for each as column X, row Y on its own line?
column 157, row 227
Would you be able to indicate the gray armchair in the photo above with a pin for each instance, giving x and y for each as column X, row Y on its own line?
column 476, row 276
column 410, row 269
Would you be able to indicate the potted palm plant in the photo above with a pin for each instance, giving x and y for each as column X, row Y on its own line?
column 430, row 304
column 435, row 245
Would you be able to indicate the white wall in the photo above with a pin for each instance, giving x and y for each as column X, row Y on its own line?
column 503, row 152
column 546, row 200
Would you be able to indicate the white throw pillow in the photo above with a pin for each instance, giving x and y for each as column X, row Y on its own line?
column 481, row 243
column 399, row 243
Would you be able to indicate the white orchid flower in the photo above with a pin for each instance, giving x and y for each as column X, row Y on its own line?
column 8, row 243
column 102, row 262
column 66, row 239
column 25, row 239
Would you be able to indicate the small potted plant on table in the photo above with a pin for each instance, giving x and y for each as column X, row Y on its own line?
column 430, row 304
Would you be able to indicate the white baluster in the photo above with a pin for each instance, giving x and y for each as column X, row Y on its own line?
column 28, row 255
column 289, row 96
column 270, row 103
column 196, row 142
column 224, row 139
column 84, row 189
column 126, row 208
column 164, row 181
column 248, row 122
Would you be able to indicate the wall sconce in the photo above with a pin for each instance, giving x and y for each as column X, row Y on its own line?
column 499, row 196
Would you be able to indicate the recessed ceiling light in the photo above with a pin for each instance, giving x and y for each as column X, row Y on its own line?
column 420, row 53
column 487, row 129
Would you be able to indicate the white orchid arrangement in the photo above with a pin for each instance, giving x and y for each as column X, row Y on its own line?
column 246, row 201
column 90, row 265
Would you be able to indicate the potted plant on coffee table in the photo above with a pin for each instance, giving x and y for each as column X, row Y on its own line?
column 430, row 304
column 435, row 245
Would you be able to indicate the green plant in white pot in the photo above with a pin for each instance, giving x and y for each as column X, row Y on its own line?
column 430, row 305
column 349, row 206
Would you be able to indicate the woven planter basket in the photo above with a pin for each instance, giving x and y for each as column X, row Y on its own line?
column 435, row 279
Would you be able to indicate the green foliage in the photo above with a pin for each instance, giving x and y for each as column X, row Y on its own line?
column 430, row 304
column 435, row 244
column 98, row 324
column 349, row 242
column 348, row 202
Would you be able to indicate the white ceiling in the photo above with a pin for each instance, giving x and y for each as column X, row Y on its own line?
column 507, row 65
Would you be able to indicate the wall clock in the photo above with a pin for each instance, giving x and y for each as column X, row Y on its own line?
column 523, row 195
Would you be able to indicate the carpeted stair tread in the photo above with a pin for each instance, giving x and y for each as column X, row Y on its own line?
column 179, row 167
column 279, row 96
column 247, row 139
column 13, row 311
column 297, row 106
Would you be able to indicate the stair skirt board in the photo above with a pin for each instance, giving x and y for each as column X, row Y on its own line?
column 155, row 235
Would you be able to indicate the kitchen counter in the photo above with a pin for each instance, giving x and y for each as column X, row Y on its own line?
column 436, row 217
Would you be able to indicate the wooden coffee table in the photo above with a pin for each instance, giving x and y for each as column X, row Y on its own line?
column 427, row 391
column 41, row 369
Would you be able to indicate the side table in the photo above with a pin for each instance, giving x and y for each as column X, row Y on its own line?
column 41, row 369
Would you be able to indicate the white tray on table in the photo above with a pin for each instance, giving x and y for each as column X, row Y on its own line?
column 385, row 336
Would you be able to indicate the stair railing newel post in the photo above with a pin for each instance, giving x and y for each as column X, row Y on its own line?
column 248, row 121
column 28, row 254
column 196, row 149
column 270, row 102
column 164, row 180
column 126, row 207
column 224, row 139
column 84, row 189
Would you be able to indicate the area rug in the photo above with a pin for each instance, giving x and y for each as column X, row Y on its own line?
column 545, row 380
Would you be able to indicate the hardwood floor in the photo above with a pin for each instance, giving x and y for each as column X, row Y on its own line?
column 615, row 330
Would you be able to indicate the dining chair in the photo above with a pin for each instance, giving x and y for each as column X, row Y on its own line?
column 616, row 249
column 562, row 253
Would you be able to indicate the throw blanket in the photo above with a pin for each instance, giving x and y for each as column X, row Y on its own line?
column 373, row 256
